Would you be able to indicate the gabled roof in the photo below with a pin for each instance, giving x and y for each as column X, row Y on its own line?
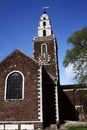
column 20, row 52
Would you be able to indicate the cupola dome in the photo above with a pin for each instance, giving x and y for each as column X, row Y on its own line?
column 44, row 28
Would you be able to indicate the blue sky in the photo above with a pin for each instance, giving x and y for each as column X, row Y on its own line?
column 19, row 21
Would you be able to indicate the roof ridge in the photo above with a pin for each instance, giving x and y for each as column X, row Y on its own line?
column 17, row 49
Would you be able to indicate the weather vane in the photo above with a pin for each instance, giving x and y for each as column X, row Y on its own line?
column 44, row 8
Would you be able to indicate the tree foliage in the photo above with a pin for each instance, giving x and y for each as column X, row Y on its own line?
column 77, row 55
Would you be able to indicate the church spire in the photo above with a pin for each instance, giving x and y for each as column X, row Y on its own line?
column 44, row 28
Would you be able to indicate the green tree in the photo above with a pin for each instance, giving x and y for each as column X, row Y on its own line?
column 77, row 55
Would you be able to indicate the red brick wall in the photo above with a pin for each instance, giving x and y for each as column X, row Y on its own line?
column 78, row 99
column 26, row 109
column 70, row 95
column 50, row 41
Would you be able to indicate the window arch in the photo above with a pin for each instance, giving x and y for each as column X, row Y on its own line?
column 44, row 18
column 44, row 23
column 44, row 32
column 44, row 48
column 44, row 51
column 14, row 86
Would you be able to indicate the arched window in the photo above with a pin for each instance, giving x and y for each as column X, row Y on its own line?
column 44, row 23
column 44, row 52
column 44, row 48
column 44, row 32
column 14, row 85
column 44, row 18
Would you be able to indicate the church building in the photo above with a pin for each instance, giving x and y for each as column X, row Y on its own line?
column 29, row 86
column 30, row 92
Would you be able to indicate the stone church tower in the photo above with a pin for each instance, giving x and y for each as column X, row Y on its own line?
column 45, row 52
column 29, row 86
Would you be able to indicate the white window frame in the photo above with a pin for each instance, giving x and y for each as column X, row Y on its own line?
column 6, row 85
column 42, row 48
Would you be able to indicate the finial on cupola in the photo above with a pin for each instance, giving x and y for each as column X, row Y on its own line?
column 44, row 9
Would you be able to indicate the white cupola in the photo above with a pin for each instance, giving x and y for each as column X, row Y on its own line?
column 44, row 28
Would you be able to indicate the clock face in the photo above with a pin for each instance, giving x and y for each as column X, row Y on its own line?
column 44, row 59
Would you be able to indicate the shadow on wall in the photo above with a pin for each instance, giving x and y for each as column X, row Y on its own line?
column 66, row 108
column 49, row 105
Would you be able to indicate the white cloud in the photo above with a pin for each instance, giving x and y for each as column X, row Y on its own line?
column 69, row 73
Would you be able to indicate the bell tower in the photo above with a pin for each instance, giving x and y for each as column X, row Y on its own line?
column 45, row 52
column 45, row 45
column 44, row 28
